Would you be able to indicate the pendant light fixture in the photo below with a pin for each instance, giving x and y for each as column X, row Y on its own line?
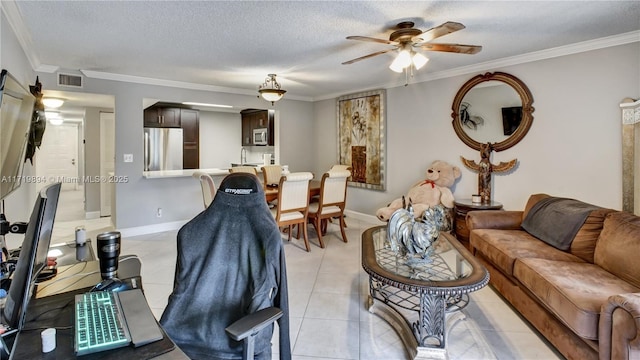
column 271, row 90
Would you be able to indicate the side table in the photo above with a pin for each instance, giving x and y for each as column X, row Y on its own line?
column 462, row 207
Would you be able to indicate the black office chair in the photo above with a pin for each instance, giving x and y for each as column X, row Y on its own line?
column 230, row 282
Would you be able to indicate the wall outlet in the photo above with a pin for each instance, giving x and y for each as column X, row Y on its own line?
column 128, row 158
column 159, row 212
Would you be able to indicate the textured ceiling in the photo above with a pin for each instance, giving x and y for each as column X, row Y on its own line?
column 235, row 44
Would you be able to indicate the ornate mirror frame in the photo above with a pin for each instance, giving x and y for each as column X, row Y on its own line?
column 527, row 110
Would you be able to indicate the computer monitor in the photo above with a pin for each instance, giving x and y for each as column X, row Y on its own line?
column 33, row 256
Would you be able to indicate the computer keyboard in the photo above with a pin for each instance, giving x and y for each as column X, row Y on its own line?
column 100, row 324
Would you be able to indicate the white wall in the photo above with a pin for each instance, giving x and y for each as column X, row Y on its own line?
column 573, row 148
column 220, row 139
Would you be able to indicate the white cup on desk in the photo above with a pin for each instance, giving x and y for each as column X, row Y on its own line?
column 48, row 340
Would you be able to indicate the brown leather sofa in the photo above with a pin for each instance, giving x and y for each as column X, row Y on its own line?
column 584, row 300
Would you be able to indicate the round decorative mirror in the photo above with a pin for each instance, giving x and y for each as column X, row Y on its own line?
column 492, row 108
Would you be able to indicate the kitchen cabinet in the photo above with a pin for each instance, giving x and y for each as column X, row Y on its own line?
column 257, row 119
column 190, row 123
column 163, row 115
column 247, row 130
column 156, row 116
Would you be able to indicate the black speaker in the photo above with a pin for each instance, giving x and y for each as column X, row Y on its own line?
column 108, row 251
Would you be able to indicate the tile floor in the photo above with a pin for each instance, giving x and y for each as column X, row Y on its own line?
column 327, row 293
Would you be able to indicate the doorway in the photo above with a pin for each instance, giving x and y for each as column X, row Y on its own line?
column 84, row 200
column 57, row 160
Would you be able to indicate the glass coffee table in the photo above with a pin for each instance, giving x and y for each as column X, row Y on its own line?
column 420, row 299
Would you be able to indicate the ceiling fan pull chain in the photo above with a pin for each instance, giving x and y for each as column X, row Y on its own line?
column 406, row 77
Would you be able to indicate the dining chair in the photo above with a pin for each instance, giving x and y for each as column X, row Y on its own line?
column 331, row 204
column 243, row 169
column 336, row 167
column 271, row 174
column 293, row 203
column 208, row 187
column 340, row 167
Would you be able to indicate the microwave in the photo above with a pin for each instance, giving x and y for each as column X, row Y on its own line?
column 260, row 137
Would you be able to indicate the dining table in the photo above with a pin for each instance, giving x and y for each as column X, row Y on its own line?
column 271, row 192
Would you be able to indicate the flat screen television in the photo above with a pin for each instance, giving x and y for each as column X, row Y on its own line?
column 16, row 112
column 511, row 118
column 33, row 256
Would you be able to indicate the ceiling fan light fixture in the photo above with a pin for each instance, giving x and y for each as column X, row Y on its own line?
column 419, row 60
column 401, row 61
column 271, row 90
column 53, row 103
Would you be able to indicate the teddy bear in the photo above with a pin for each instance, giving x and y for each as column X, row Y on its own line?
column 434, row 190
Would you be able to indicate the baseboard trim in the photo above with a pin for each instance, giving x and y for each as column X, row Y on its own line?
column 175, row 225
column 152, row 229
column 364, row 217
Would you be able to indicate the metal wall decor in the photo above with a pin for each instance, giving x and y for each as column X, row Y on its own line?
column 361, row 137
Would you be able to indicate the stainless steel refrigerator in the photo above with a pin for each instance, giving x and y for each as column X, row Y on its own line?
column 162, row 149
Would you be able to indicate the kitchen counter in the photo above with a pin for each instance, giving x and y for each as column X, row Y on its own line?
column 162, row 174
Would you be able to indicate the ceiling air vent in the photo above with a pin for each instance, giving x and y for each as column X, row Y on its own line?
column 69, row 80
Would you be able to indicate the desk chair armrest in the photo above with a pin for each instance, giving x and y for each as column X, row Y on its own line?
column 253, row 323
column 248, row 327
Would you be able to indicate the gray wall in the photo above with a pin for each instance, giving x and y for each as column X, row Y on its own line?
column 573, row 148
column 137, row 201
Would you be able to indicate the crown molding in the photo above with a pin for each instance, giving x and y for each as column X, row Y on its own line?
column 596, row 44
column 14, row 17
column 590, row 45
column 175, row 84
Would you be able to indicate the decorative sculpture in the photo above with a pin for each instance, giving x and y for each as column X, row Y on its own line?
column 406, row 236
column 38, row 122
column 485, row 169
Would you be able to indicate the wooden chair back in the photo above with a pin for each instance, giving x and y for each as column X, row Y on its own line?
column 271, row 174
column 207, row 185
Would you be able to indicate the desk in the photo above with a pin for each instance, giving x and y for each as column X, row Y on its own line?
column 414, row 297
column 271, row 193
column 69, row 253
column 53, row 307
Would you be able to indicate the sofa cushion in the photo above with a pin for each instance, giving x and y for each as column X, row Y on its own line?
column 584, row 244
column 618, row 246
column 556, row 221
column 533, row 199
column 503, row 247
column 573, row 291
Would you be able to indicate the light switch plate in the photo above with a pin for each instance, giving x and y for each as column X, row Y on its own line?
column 128, row 158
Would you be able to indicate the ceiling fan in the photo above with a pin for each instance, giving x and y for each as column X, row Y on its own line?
column 408, row 39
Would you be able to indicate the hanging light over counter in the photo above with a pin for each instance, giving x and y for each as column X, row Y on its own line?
column 271, row 90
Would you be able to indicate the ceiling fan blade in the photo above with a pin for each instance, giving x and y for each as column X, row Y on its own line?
column 367, row 56
column 455, row 48
column 441, row 30
column 366, row 38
